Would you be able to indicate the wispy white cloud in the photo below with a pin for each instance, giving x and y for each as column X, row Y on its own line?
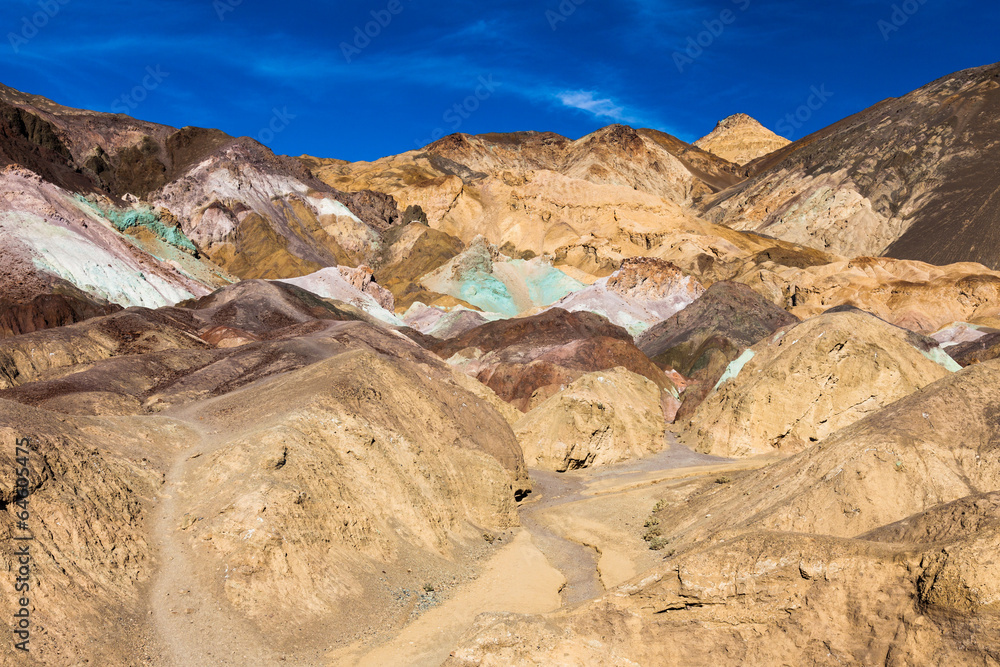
column 586, row 100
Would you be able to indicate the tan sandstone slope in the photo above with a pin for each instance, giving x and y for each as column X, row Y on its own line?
column 877, row 546
column 186, row 492
column 741, row 139
column 602, row 418
column 810, row 379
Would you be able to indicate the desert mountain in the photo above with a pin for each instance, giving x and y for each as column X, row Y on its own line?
column 911, row 178
column 769, row 564
column 252, row 213
column 120, row 255
column 587, row 204
column 646, row 160
column 309, row 472
column 740, row 139
column 507, row 399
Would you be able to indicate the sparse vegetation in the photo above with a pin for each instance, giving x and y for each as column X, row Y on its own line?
column 653, row 531
column 653, row 534
column 723, row 480
column 659, row 544
column 428, row 588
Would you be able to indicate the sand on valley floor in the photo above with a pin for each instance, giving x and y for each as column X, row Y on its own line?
column 582, row 535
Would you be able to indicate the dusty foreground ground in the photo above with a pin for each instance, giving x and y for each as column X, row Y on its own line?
column 582, row 535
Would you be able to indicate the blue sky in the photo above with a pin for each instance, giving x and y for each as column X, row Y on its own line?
column 279, row 71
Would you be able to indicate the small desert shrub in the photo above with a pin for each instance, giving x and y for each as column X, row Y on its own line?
column 723, row 480
column 659, row 544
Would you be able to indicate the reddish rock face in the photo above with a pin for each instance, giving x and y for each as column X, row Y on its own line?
column 47, row 311
column 524, row 385
column 363, row 280
column 228, row 337
column 977, row 351
column 553, row 327
column 651, row 279
column 529, row 359
column 701, row 340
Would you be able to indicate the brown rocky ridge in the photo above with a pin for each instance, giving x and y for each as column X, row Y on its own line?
column 904, row 178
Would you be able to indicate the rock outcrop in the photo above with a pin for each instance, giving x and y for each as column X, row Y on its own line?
column 702, row 340
column 808, row 380
column 913, row 295
column 740, row 139
column 484, row 277
column 56, row 240
column 527, row 360
column 354, row 286
column 641, row 293
column 67, row 305
column 602, row 418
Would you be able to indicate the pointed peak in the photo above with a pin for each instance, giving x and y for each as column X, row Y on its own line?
column 738, row 119
column 741, row 139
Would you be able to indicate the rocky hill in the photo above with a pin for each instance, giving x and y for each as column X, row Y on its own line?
column 910, row 178
column 740, row 139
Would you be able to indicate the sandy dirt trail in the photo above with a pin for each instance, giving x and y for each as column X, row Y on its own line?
column 588, row 523
column 192, row 626
column 582, row 535
column 194, row 623
column 517, row 579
